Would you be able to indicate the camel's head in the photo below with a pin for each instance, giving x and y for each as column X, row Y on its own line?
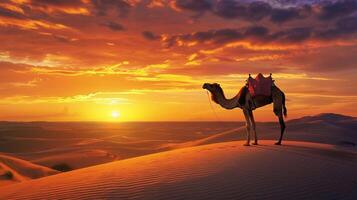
column 212, row 87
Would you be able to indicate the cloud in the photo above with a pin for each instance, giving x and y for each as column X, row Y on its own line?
column 261, row 34
column 32, row 15
column 329, row 59
column 30, row 83
column 115, row 26
column 156, row 4
column 7, row 67
column 257, row 31
column 60, row 3
column 258, row 10
column 276, row 11
column 224, row 36
column 249, row 11
column 35, row 9
column 11, row 14
column 150, row 35
column 283, row 15
column 193, row 5
column 103, row 7
column 234, row 9
column 98, row 98
column 220, row 36
column 292, row 35
column 347, row 25
column 343, row 26
column 337, row 9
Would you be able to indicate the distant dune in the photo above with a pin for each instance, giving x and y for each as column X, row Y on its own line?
column 324, row 117
column 325, row 128
column 296, row 170
column 13, row 170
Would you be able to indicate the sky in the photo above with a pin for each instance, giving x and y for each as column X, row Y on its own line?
column 146, row 60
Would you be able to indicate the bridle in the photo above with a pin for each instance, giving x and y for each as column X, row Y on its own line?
column 212, row 108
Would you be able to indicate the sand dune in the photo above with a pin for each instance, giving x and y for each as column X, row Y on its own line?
column 92, row 152
column 79, row 145
column 296, row 170
column 13, row 170
column 199, row 164
column 77, row 159
column 219, row 137
column 89, row 152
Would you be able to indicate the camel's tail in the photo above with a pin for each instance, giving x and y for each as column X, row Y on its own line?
column 285, row 111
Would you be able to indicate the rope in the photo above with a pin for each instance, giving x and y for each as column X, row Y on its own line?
column 212, row 108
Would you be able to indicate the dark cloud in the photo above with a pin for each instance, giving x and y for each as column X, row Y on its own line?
column 59, row 3
column 11, row 14
column 230, row 9
column 221, row 36
column 102, row 7
column 283, row 15
column 256, row 31
column 193, row 5
column 234, row 9
column 344, row 26
column 62, row 38
column 347, row 25
column 261, row 34
column 292, row 35
column 338, row 9
column 258, row 10
column 253, row 11
column 150, row 35
column 255, row 34
column 115, row 26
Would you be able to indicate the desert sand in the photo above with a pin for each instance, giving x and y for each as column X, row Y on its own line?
column 14, row 170
column 296, row 170
column 186, row 160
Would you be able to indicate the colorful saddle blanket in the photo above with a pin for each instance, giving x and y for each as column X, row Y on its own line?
column 260, row 85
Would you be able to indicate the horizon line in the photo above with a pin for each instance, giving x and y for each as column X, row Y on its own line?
column 148, row 121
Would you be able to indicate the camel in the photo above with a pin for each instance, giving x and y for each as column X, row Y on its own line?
column 244, row 101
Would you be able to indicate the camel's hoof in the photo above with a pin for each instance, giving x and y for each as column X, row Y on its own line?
column 246, row 144
column 255, row 143
column 277, row 143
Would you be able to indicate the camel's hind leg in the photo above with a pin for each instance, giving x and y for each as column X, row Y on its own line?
column 251, row 116
column 282, row 128
column 279, row 110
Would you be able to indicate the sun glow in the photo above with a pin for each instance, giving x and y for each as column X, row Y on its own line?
column 115, row 114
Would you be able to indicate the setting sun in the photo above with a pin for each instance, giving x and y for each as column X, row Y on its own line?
column 115, row 114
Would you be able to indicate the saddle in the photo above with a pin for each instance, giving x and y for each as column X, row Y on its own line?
column 259, row 89
column 260, row 85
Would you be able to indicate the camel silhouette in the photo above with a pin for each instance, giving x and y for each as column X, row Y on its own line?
column 248, row 102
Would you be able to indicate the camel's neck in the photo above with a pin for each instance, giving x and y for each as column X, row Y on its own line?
column 221, row 99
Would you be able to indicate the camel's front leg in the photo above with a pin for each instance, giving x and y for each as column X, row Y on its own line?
column 253, row 127
column 247, row 123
